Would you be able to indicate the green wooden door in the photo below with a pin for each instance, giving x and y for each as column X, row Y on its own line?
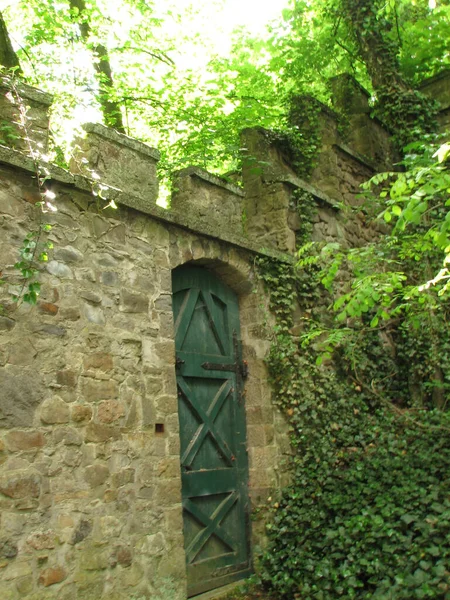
column 212, row 430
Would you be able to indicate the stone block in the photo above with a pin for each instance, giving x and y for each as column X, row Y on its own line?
column 110, row 411
column 72, row 457
column 94, row 390
column 91, row 297
column 17, row 569
column 166, row 405
column 96, row 474
column 168, row 492
column 81, row 413
column 42, row 540
column 68, row 254
column 6, row 324
column 54, row 410
column 174, row 445
column 133, row 576
column 59, row 269
column 67, row 435
column 21, row 393
column 123, row 477
column 109, row 278
column 48, row 308
column 99, row 360
column 94, row 559
column 164, row 303
column 256, row 435
column 96, row 432
column 70, row 313
column 20, row 484
column 8, row 548
column 24, row 440
column 169, row 467
column 121, row 555
column 94, row 314
column 52, row 575
column 82, row 531
column 254, row 415
column 132, row 302
column 67, row 378
column 25, row 585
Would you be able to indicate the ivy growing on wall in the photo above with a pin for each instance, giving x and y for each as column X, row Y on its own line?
column 362, row 378
column 368, row 510
column 300, row 140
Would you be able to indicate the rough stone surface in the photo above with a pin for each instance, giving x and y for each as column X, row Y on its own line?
column 24, row 440
column 20, row 484
column 118, row 160
column 55, row 410
column 59, row 269
column 8, row 549
column 21, row 393
column 52, row 575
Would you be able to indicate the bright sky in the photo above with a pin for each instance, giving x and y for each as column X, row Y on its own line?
column 216, row 19
column 254, row 14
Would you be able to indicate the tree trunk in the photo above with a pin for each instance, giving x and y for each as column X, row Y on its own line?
column 110, row 108
column 408, row 113
column 8, row 58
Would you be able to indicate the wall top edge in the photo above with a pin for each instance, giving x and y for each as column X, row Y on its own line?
column 27, row 91
column 18, row 160
column 121, row 139
column 209, row 178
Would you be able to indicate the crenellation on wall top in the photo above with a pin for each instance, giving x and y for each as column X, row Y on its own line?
column 27, row 91
column 25, row 110
column 117, row 160
column 185, row 220
column 123, row 140
column 348, row 95
column 438, row 88
column 204, row 175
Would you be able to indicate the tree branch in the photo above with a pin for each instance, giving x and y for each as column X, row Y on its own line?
column 110, row 108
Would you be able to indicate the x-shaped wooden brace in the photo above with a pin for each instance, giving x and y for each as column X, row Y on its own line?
column 207, row 424
column 212, row 525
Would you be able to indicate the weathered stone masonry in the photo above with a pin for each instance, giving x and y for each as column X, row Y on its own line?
column 90, row 493
column 90, row 476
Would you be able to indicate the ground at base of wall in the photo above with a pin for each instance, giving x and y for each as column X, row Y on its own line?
column 250, row 592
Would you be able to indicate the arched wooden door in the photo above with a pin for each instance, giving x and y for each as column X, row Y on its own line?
column 213, row 453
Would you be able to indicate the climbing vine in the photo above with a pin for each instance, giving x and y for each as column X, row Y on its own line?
column 36, row 245
column 300, row 139
column 368, row 509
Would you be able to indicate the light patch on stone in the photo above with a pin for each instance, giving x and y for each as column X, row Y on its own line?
column 59, row 269
column 94, row 314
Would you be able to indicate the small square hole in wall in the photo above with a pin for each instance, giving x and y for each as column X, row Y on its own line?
column 159, row 428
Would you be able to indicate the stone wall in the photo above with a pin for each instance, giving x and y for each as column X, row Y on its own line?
column 90, row 485
column 438, row 87
column 90, row 488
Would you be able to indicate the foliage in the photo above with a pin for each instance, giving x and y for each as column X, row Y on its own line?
column 367, row 512
column 191, row 107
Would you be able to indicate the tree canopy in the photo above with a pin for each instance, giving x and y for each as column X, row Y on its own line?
column 136, row 67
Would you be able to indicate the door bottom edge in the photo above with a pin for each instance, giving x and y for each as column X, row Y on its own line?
column 214, row 588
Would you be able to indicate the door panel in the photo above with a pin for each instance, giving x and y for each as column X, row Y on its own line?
column 212, row 430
